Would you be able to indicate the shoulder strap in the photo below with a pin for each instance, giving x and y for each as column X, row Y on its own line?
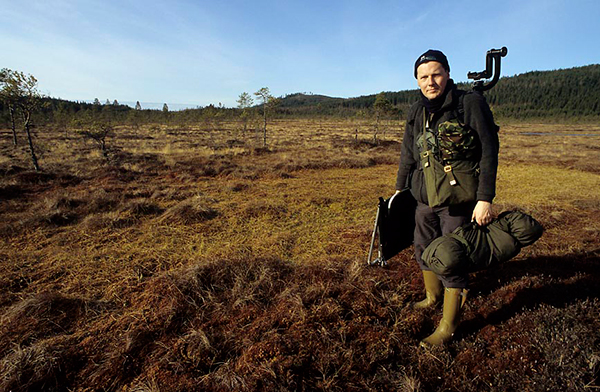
column 460, row 109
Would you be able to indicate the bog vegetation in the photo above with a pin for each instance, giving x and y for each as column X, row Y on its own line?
column 160, row 251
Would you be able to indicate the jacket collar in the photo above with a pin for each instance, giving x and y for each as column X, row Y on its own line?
column 450, row 97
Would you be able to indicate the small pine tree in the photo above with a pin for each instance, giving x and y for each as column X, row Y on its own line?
column 9, row 94
column 245, row 101
column 269, row 103
column 28, row 101
column 381, row 106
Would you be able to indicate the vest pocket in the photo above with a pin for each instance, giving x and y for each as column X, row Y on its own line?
column 453, row 183
column 456, row 142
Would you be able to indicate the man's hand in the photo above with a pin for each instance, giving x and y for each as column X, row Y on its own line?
column 483, row 213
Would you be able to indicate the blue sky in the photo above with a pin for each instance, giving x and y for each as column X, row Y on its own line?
column 202, row 52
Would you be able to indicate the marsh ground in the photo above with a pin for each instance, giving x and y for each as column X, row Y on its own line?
column 196, row 259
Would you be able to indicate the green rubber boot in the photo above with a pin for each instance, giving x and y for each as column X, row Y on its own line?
column 433, row 291
column 454, row 299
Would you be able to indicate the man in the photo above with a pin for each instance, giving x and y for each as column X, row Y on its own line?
column 449, row 159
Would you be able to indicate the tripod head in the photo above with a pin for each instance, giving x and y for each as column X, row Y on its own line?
column 492, row 62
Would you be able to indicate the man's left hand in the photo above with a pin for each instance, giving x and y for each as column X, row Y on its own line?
column 483, row 213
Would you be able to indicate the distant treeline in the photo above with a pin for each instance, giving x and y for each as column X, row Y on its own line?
column 568, row 94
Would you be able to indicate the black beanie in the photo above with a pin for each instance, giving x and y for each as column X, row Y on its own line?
column 432, row 55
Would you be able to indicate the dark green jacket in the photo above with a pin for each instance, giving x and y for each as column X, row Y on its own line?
column 470, row 248
column 477, row 116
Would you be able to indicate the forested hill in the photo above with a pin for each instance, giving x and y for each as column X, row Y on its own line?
column 563, row 93
column 567, row 93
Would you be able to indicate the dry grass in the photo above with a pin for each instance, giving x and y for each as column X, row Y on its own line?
column 198, row 260
column 193, row 210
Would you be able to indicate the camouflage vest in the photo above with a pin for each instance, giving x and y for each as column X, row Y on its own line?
column 453, row 140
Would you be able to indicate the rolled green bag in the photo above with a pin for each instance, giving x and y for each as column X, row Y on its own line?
column 471, row 247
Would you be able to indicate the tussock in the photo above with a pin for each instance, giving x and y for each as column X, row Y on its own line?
column 237, row 187
column 127, row 214
column 28, row 369
column 141, row 208
column 60, row 209
column 112, row 219
column 211, row 166
column 31, row 177
column 170, row 194
column 195, row 209
column 263, row 209
column 101, row 201
column 10, row 192
column 61, row 200
column 43, row 315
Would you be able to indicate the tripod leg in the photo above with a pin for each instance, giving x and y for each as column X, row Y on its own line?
column 375, row 232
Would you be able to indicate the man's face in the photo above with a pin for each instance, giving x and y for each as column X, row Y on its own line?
column 432, row 79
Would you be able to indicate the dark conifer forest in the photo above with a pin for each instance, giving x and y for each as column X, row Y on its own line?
column 568, row 94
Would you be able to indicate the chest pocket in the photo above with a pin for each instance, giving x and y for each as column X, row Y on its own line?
column 451, row 177
column 455, row 141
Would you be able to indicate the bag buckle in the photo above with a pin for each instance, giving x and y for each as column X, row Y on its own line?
column 448, row 169
column 426, row 154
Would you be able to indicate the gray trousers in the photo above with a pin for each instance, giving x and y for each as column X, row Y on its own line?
column 433, row 222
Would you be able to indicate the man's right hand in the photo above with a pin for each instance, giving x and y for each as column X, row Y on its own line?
column 483, row 213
